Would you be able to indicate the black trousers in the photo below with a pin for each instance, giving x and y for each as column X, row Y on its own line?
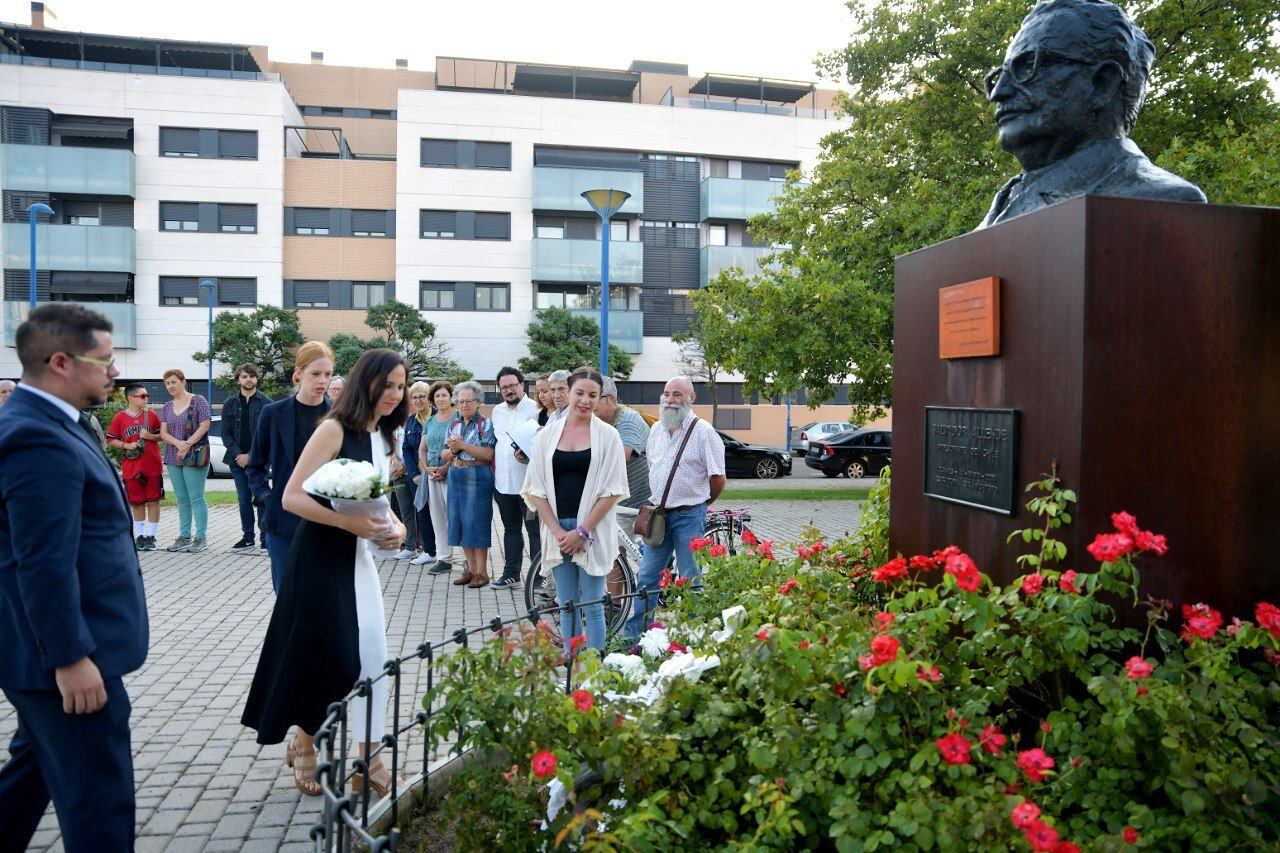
column 512, row 510
column 83, row 762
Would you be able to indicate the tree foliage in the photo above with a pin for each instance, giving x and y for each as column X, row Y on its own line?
column 702, row 346
column 406, row 331
column 559, row 340
column 266, row 338
column 919, row 163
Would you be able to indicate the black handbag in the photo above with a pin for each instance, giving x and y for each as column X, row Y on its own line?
column 198, row 456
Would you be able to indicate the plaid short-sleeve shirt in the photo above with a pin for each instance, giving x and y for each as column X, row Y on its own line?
column 703, row 459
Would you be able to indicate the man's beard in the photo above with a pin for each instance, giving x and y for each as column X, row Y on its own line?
column 673, row 416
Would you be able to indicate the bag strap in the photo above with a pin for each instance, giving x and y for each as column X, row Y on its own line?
column 666, row 493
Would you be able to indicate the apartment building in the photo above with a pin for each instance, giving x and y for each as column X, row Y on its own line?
column 332, row 189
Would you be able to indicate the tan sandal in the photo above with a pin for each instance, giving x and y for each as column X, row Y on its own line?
column 304, row 769
column 379, row 788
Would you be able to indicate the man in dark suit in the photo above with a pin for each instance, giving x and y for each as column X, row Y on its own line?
column 240, row 416
column 73, row 617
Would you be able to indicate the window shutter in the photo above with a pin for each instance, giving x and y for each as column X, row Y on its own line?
column 80, row 208
column 118, row 213
column 90, row 283
column 493, row 155
column 779, row 170
column 178, row 287
column 238, row 214
column 311, row 217
column 25, row 125
column 17, row 285
column 237, row 291
column 439, row 152
column 755, row 171
column 369, row 220
column 439, row 220
column 17, row 202
column 493, row 226
column 179, row 140
column 580, row 229
column 238, row 144
column 311, row 291
column 180, row 210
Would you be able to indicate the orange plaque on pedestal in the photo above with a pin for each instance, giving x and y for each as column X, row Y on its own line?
column 969, row 319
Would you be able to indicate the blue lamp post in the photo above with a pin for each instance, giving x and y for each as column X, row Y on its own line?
column 605, row 203
column 32, row 211
column 212, row 286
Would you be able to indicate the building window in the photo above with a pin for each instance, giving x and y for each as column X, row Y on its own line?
column 307, row 294
column 491, row 297
column 619, row 231
column 463, row 296
column 549, row 232
column 179, row 142
column 209, row 143
column 237, row 291
column 311, row 221
column 586, row 297
column 238, row 218
column 439, row 224
column 366, row 294
column 179, row 291
column 493, row 226
column 179, row 216
column 436, row 296
column 186, row 291
column 368, row 223
column 717, row 235
column 464, row 154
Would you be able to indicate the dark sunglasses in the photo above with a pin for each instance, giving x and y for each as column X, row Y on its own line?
column 142, row 396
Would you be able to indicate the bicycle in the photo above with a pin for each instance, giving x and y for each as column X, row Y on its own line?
column 725, row 527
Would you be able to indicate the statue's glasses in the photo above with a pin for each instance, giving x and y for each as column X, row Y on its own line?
column 1026, row 65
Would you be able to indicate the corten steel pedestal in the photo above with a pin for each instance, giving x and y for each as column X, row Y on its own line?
column 1140, row 345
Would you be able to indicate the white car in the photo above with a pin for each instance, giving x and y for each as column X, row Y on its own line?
column 818, row 431
column 217, row 449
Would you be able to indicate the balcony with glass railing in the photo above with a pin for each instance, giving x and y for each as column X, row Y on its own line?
column 579, row 261
column 64, row 169
column 87, row 248
column 560, row 189
column 123, row 317
column 737, row 198
column 626, row 328
column 713, row 259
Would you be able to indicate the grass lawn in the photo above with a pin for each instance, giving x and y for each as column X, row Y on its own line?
column 212, row 498
column 794, row 495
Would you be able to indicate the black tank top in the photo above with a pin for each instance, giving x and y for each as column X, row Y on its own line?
column 569, row 468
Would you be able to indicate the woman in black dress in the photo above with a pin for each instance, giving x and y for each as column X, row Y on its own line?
column 327, row 629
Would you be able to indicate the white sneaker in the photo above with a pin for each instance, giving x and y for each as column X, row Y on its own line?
column 423, row 559
column 404, row 554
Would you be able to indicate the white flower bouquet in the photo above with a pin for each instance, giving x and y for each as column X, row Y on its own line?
column 353, row 488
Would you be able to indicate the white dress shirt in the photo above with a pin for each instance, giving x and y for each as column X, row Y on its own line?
column 65, row 407
column 703, row 459
column 508, row 473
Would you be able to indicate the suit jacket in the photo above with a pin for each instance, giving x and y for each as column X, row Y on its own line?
column 271, row 462
column 70, row 583
column 233, row 409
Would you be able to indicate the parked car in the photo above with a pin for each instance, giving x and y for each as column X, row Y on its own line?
column 861, row 453
column 753, row 460
column 819, row 431
column 217, row 449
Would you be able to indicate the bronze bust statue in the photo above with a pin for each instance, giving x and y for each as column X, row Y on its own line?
column 1066, row 96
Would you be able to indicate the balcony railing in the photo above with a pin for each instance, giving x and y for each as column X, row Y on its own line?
column 736, row 198
column 63, row 169
column 123, row 317
column 560, row 189
column 135, row 68
column 579, row 261
column 626, row 328
column 713, row 259
column 91, row 248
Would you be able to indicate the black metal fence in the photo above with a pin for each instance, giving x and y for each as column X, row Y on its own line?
column 347, row 818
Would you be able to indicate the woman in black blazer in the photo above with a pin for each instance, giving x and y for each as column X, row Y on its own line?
column 283, row 430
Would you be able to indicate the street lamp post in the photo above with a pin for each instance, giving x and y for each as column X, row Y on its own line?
column 212, row 287
column 605, row 203
column 32, row 211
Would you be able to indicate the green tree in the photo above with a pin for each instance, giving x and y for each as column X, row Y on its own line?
column 405, row 330
column 266, row 338
column 919, row 163
column 559, row 340
column 701, row 347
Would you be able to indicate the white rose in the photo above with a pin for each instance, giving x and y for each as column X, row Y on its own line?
column 655, row 642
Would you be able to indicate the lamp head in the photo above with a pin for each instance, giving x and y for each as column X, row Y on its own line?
column 40, row 207
column 606, row 202
column 207, row 282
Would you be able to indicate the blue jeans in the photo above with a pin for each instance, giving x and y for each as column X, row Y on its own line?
column 682, row 525
column 574, row 584
column 245, row 499
column 188, row 487
column 278, row 549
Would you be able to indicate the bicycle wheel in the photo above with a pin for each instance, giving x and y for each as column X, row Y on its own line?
column 725, row 530
column 620, row 583
column 543, row 597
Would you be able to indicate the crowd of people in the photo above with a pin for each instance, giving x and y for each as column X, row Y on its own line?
column 564, row 496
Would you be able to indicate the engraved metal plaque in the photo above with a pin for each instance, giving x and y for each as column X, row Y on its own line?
column 971, row 457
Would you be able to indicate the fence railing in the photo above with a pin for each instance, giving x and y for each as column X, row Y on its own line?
column 347, row 817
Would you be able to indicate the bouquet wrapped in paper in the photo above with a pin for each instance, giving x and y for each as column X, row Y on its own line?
column 353, row 488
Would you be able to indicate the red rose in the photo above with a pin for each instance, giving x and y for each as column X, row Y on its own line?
column 1024, row 814
column 1272, row 657
column 717, row 550
column 1142, row 691
column 883, row 620
column 544, row 763
column 583, row 701
column 1065, row 847
column 786, row 586
column 1041, row 836
column 1109, row 547
column 697, row 543
column 992, row 740
column 664, row 580
column 577, row 642
column 1138, row 669
column 763, row 633
column 1125, row 523
column 891, row 571
column 765, row 549
column 1153, row 542
column 1201, row 621
column 1032, row 584
column 1046, row 727
column 674, row 648
column 930, row 674
column 683, row 581
column 818, row 546
column 884, row 649
column 1130, row 835
column 749, row 537
column 804, row 644
column 1067, row 581
column 921, row 563
column 1035, row 763
column 840, row 689
column 657, row 624
column 954, row 748
column 965, row 571
column 1268, row 617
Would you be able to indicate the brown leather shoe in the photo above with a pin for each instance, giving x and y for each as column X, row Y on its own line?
column 464, row 579
column 479, row 582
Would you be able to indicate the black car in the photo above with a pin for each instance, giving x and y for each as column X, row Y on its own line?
column 862, row 453
column 752, row 460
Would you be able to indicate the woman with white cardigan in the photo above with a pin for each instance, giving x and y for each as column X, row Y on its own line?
column 577, row 473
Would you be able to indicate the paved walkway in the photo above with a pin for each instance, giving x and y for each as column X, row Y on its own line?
column 203, row 783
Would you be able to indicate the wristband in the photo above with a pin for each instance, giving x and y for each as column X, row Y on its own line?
column 583, row 533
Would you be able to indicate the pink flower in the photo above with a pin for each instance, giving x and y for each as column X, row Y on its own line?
column 544, row 763
column 1067, row 582
column 1024, row 814
column 1138, row 669
column 884, row 649
column 1109, row 547
column 1032, row 584
column 657, row 624
column 992, row 740
column 883, row 620
column 1268, row 618
column 786, row 586
column 965, row 571
column 930, row 674
column 697, row 543
column 1125, row 523
column 1201, row 621
column 954, row 748
column 1130, row 835
column 717, row 550
column 1153, row 542
column 1035, row 763
column 895, row 569
column 1065, row 847
column 1041, row 836
column 921, row 563
column 583, row 700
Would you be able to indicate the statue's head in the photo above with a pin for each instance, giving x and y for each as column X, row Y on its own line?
column 1076, row 71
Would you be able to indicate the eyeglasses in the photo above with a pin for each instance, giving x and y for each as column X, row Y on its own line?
column 108, row 363
column 141, row 396
column 1026, row 65
column 511, row 387
column 417, row 396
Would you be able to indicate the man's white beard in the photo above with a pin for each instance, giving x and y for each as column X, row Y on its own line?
column 673, row 416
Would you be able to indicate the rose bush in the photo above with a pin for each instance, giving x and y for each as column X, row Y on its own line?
column 825, row 701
